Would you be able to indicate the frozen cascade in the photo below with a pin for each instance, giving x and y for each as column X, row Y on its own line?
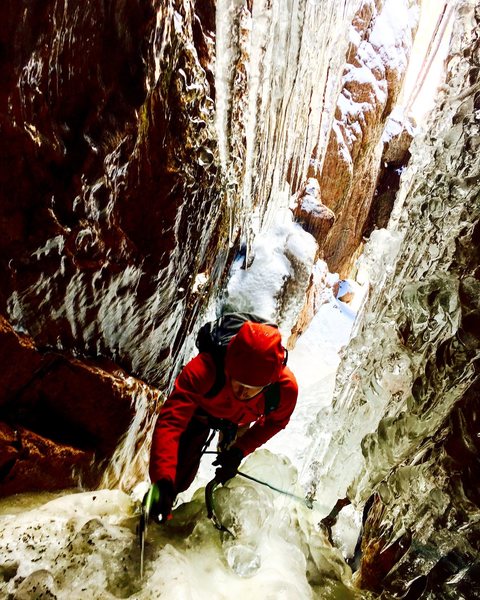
column 129, row 462
column 279, row 87
column 410, row 372
column 86, row 543
column 421, row 344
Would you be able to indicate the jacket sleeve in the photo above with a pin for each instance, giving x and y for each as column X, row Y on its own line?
column 265, row 428
column 197, row 377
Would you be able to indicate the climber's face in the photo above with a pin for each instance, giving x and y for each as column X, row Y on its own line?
column 244, row 392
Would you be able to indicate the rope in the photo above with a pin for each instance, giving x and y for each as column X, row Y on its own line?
column 305, row 501
column 308, row 503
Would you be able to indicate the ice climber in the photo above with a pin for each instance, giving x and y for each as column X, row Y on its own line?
column 249, row 402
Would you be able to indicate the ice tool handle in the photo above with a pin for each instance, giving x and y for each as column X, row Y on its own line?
column 150, row 498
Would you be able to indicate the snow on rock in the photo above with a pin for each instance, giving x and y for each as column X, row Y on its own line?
column 397, row 136
column 388, row 35
column 275, row 283
column 380, row 44
column 311, row 213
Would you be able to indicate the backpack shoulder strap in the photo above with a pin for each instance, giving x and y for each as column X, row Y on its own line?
column 220, row 380
column 272, row 397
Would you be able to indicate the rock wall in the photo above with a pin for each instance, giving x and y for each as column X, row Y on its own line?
column 138, row 139
column 381, row 38
column 108, row 176
column 102, row 176
column 62, row 418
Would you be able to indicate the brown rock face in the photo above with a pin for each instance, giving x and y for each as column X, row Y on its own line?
column 372, row 82
column 394, row 159
column 19, row 359
column 378, row 557
column 108, row 162
column 109, row 208
column 58, row 413
column 312, row 214
column 113, row 228
column 29, row 461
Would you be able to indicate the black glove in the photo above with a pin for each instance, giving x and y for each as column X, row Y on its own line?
column 162, row 508
column 229, row 461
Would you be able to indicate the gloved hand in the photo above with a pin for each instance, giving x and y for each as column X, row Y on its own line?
column 229, row 461
column 162, row 508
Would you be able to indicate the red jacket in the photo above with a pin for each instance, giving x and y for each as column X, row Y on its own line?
column 196, row 380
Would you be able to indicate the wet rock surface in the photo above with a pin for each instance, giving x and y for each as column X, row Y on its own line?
column 33, row 462
column 107, row 176
column 131, row 162
column 118, row 214
column 103, row 132
column 61, row 417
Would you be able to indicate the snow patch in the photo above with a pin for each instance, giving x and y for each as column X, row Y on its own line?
column 283, row 256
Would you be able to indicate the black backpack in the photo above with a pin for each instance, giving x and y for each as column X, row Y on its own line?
column 213, row 337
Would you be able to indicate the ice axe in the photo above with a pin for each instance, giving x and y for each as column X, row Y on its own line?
column 150, row 498
column 211, row 513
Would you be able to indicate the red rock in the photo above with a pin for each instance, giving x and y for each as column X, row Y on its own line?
column 9, row 448
column 67, row 409
column 36, row 463
column 311, row 213
column 352, row 162
column 19, row 359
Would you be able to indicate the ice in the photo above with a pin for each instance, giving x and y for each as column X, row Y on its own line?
column 84, row 545
column 407, row 366
column 243, row 560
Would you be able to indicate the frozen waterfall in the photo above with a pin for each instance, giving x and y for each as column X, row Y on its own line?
column 388, row 410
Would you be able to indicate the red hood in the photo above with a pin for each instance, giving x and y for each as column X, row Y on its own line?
column 255, row 356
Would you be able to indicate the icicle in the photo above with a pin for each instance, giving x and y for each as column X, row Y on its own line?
column 227, row 27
